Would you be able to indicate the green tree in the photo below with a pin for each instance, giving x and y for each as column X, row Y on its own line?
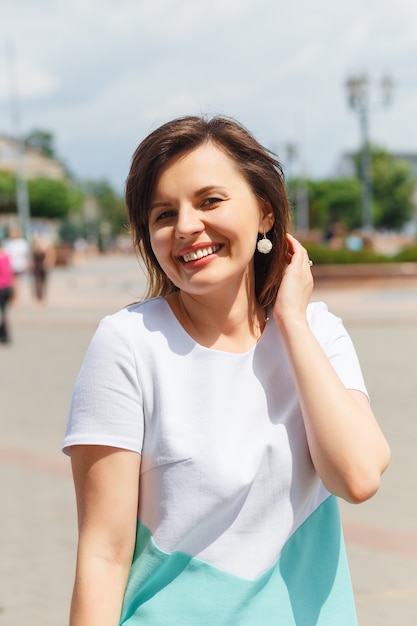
column 48, row 198
column 392, row 187
column 7, row 193
column 335, row 200
column 112, row 205
column 43, row 140
column 52, row 198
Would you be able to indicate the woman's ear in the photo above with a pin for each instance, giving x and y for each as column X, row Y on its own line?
column 266, row 218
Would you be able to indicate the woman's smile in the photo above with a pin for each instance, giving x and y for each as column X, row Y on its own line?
column 204, row 221
column 199, row 253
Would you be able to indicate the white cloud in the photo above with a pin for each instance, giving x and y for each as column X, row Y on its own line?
column 102, row 73
column 25, row 79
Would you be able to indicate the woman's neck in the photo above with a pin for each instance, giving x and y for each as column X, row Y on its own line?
column 233, row 326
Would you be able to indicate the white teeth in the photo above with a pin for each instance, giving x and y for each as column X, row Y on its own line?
column 198, row 254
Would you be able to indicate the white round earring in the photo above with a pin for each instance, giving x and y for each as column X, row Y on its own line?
column 264, row 245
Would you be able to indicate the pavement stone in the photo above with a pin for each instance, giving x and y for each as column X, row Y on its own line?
column 37, row 372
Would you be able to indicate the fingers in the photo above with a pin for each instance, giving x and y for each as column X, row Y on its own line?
column 296, row 285
column 297, row 252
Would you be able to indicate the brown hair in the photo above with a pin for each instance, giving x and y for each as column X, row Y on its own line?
column 259, row 167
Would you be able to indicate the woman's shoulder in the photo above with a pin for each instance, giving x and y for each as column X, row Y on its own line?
column 130, row 332
column 324, row 324
column 145, row 315
column 142, row 307
column 318, row 312
column 320, row 319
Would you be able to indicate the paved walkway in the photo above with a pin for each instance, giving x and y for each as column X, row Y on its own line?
column 37, row 371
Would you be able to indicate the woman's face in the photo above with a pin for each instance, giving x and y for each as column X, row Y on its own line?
column 204, row 221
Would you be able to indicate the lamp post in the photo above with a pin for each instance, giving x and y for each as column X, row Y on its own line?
column 358, row 99
column 22, row 195
column 300, row 190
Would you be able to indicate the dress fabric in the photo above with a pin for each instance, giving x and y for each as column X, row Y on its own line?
column 234, row 524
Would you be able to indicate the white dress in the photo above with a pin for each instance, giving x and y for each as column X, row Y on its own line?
column 234, row 524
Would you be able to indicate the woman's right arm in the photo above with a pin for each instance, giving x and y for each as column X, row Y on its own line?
column 106, row 483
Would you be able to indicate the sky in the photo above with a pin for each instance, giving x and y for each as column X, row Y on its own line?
column 101, row 74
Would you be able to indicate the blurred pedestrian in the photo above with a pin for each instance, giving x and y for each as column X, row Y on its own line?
column 214, row 424
column 18, row 249
column 6, row 292
column 43, row 260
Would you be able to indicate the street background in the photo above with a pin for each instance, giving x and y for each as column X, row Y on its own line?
column 37, row 372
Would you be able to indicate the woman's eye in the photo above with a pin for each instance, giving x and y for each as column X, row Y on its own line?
column 211, row 202
column 164, row 215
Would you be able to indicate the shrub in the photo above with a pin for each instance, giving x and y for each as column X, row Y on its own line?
column 323, row 255
column 408, row 255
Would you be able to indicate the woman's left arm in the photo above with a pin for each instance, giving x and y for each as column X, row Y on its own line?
column 346, row 444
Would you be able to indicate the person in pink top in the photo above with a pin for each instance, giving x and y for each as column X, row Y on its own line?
column 6, row 288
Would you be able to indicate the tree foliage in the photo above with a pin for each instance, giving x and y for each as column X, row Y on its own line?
column 52, row 199
column 42, row 140
column 339, row 200
column 392, row 188
column 334, row 201
column 49, row 199
column 112, row 206
column 7, row 193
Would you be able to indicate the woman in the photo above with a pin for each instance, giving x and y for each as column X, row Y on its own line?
column 18, row 250
column 213, row 424
column 6, row 292
column 43, row 260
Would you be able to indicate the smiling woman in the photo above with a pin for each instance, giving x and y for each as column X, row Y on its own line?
column 205, row 242
column 236, row 149
column 213, row 424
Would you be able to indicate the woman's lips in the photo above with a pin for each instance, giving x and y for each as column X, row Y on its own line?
column 199, row 253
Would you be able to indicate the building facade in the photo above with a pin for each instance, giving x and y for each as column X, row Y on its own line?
column 35, row 163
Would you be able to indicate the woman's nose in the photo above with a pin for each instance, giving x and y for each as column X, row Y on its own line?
column 188, row 222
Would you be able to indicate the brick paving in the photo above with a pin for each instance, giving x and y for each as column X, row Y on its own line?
column 37, row 371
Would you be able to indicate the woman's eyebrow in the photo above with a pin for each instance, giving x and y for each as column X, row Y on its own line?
column 158, row 204
column 208, row 188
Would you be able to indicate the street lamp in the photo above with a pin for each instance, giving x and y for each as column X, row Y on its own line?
column 358, row 99
column 300, row 190
column 22, row 195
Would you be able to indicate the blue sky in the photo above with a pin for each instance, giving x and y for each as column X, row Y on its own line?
column 101, row 74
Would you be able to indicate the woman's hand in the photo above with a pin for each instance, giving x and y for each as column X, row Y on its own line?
column 296, row 286
column 346, row 445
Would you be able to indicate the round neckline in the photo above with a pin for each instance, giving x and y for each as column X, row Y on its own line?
column 212, row 350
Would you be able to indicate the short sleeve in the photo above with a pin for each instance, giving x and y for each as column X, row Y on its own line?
column 106, row 407
column 337, row 344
